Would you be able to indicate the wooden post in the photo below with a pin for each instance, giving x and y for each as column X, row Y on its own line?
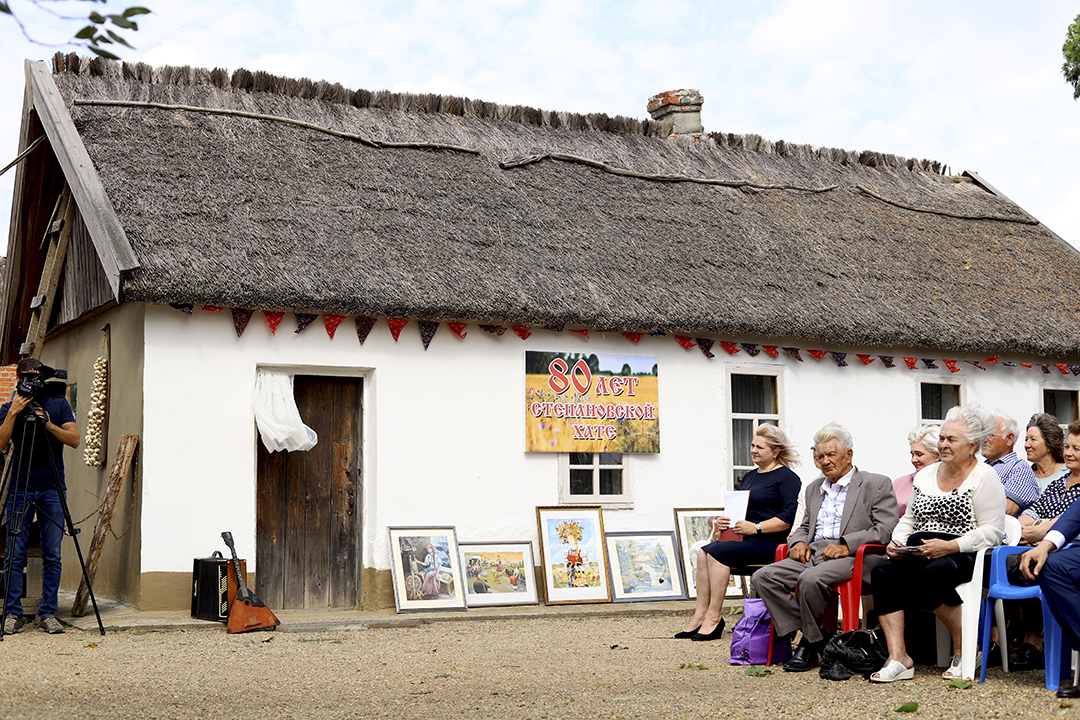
column 125, row 453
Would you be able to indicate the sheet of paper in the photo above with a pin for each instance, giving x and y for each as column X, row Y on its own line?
column 735, row 505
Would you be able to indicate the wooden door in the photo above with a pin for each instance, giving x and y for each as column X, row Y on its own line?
column 308, row 507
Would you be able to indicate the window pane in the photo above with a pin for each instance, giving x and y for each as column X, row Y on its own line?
column 1061, row 404
column 611, row 459
column 611, row 482
column 581, row 458
column 738, row 478
column 581, row 482
column 742, row 433
column 753, row 394
column 938, row 399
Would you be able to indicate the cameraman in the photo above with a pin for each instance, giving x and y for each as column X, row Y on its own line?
column 33, row 488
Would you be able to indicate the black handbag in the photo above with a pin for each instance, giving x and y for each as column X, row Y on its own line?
column 858, row 652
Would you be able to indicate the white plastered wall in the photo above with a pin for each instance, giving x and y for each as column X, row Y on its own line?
column 443, row 428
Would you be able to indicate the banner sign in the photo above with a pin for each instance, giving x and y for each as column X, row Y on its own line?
column 591, row 403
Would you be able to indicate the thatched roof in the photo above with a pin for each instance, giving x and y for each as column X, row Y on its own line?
column 224, row 209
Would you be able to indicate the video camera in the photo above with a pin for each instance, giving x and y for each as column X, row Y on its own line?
column 41, row 383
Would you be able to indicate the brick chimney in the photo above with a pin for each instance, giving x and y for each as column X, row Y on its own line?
column 682, row 107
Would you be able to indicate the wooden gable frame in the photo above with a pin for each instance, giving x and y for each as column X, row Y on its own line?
column 39, row 180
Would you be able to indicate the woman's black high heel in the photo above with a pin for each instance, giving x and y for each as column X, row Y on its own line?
column 685, row 634
column 714, row 635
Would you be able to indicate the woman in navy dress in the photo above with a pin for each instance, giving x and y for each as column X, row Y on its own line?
column 774, row 499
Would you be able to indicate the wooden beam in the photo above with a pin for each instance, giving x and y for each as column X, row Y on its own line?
column 50, row 274
column 116, row 253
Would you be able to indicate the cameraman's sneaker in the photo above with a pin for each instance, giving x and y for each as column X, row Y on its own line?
column 51, row 625
column 12, row 625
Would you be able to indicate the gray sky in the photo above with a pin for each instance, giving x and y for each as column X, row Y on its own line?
column 975, row 85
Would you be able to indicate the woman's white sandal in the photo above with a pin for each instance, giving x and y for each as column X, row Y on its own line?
column 892, row 671
column 954, row 672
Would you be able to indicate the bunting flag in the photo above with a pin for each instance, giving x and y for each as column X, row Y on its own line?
column 911, row 363
column 273, row 319
column 558, row 327
column 793, row 352
column 212, row 308
column 751, row 348
column 865, row 359
column 686, row 342
column 929, row 363
column 240, row 318
column 363, row 327
column 839, row 358
column 951, row 364
column 427, row 331
column 818, row 354
column 887, row 360
column 772, row 350
column 581, row 332
column 303, row 320
column 657, row 333
column 395, row 326
column 1074, row 369
column 1009, row 364
column 975, row 363
column 522, row 332
column 633, row 337
column 1062, row 367
column 1029, row 366
column 730, row 347
column 493, row 329
column 186, row 308
column 706, row 347
column 1045, row 369
column 458, row 329
column 992, row 360
column 331, row 322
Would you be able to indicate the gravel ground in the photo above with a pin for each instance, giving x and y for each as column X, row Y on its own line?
column 529, row 668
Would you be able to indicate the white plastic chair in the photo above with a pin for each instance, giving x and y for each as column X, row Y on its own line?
column 971, row 595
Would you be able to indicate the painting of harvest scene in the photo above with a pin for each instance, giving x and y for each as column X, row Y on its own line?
column 575, row 563
column 587, row 383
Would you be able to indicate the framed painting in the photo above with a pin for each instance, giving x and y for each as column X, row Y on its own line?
column 499, row 573
column 425, row 567
column 695, row 528
column 644, row 566
column 573, row 554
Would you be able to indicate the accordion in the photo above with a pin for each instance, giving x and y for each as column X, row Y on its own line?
column 213, row 587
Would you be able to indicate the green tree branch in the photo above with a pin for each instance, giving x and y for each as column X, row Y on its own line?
column 1071, row 51
column 99, row 33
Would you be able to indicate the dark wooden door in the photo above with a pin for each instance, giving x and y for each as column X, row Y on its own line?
column 308, row 508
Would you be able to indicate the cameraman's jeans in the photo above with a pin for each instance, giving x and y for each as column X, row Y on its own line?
column 51, row 523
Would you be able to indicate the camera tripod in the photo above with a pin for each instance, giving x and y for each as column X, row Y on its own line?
column 22, row 510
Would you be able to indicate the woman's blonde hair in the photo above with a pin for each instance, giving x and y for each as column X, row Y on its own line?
column 775, row 438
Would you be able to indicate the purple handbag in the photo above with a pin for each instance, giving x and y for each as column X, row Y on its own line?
column 750, row 637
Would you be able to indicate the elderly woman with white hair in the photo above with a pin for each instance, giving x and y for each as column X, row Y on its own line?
column 957, row 508
column 922, row 441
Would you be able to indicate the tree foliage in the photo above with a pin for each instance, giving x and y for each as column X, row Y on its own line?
column 1071, row 51
column 102, row 30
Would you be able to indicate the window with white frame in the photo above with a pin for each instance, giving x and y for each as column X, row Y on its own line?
column 1061, row 402
column 754, row 400
column 936, row 399
column 594, row 479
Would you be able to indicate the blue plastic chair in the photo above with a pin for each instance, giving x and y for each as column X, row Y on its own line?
column 1002, row 589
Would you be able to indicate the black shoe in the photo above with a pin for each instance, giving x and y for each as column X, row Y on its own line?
column 804, row 658
column 714, row 635
column 1029, row 658
column 1071, row 693
column 993, row 657
column 686, row 634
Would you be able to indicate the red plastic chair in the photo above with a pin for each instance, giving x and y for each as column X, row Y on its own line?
column 849, row 593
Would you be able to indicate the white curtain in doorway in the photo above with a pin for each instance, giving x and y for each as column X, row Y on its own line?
column 276, row 415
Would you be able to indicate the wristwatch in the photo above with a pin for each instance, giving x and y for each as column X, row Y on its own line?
column 758, row 526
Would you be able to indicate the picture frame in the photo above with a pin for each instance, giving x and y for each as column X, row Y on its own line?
column 695, row 528
column 644, row 566
column 499, row 573
column 573, row 554
column 425, row 567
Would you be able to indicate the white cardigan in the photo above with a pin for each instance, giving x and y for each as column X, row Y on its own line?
column 987, row 503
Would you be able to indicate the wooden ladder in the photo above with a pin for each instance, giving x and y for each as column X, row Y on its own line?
column 57, row 236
